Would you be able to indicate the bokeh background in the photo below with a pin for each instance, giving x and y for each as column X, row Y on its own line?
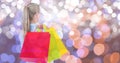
column 90, row 29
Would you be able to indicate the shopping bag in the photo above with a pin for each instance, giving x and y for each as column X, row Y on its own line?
column 56, row 47
column 35, row 47
column 62, row 49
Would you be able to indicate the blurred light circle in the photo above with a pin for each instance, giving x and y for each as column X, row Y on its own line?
column 97, row 34
column 99, row 49
column 87, row 31
column 11, row 58
column 114, row 15
column 99, row 13
column 74, row 21
column 18, row 48
column 109, row 9
column 80, row 15
column 18, row 23
column 71, row 59
column 69, row 43
column 64, row 57
column 19, row 6
column 73, row 34
column 77, row 10
column 77, row 43
column 87, row 40
column 7, row 9
column 95, row 18
column 3, row 5
column 104, row 28
column 13, row 49
column 79, row 60
column 4, row 57
column 9, row 35
column 89, row 10
column 12, row 29
column 82, row 52
column 12, row 15
column 115, row 57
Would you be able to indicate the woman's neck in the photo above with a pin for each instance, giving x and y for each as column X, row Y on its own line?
column 34, row 21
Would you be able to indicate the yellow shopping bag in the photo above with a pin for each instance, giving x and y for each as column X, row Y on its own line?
column 56, row 46
column 61, row 47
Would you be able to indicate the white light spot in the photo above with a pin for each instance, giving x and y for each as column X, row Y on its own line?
column 71, row 33
column 89, row 10
column 12, row 29
column 3, row 6
column 7, row 9
column 77, row 10
column 95, row 18
column 9, row 35
column 12, row 15
column 18, row 23
column 99, row 13
column 113, row 15
column 19, row 6
column 80, row 15
column 109, row 9
column 105, row 5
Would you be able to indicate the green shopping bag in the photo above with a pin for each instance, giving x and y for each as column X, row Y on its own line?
column 62, row 49
column 56, row 46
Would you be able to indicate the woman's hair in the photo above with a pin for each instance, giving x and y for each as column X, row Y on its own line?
column 29, row 11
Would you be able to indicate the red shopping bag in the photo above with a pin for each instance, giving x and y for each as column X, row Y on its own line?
column 35, row 47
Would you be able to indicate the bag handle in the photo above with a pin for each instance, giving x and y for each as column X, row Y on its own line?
column 44, row 28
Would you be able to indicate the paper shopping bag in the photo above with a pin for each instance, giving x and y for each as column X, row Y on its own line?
column 56, row 48
column 36, row 47
column 63, row 50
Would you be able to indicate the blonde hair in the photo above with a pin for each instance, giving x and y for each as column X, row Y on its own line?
column 29, row 11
